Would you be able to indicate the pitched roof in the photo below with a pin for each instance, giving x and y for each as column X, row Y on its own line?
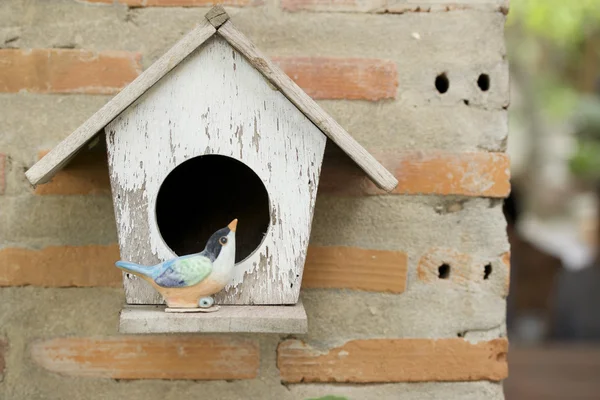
column 217, row 22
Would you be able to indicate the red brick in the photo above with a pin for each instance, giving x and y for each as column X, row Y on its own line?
column 433, row 172
column 394, row 360
column 150, row 357
column 179, row 3
column 87, row 173
column 479, row 174
column 67, row 70
column 464, row 269
column 60, row 266
column 342, row 78
column 355, row 268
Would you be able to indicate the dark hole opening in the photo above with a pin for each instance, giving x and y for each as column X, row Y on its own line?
column 444, row 271
column 487, row 271
column 442, row 84
column 203, row 195
column 484, row 82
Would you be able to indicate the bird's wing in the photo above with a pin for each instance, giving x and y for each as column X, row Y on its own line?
column 184, row 271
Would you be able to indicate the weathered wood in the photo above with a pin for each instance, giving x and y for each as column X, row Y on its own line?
column 59, row 156
column 253, row 319
column 215, row 102
column 380, row 176
column 217, row 16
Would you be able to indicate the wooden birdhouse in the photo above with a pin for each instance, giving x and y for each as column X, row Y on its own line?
column 210, row 132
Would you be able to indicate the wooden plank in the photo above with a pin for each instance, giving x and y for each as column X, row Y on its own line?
column 44, row 169
column 217, row 16
column 355, row 268
column 394, row 360
column 380, row 176
column 150, row 357
column 250, row 319
column 176, row 118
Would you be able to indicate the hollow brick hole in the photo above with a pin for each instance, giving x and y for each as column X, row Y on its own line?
column 444, row 271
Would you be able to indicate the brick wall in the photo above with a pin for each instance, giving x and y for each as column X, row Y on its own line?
column 405, row 292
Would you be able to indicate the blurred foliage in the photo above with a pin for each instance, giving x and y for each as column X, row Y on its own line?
column 564, row 22
column 554, row 41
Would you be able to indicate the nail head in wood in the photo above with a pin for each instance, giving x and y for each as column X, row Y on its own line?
column 217, row 16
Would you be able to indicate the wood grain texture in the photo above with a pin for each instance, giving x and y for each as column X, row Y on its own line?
column 44, row 169
column 67, row 70
column 342, row 78
column 481, row 174
column 394, row 360
column 176, row 120
column 217, row 16
column 247, row 319
column 150, row 357
column 393, row 6
column 355, row 268
column 382, row 177
column 60, row 266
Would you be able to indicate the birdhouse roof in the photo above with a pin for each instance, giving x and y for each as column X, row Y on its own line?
column 216, row 22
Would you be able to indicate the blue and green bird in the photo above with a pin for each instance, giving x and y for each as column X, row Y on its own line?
column 189, row 281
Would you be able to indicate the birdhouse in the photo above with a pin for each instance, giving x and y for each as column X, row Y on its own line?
column 214, row 131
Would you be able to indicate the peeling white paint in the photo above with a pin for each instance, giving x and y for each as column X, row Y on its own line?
column 215, row 102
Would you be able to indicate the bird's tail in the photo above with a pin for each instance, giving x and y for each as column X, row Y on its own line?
column 135, row 268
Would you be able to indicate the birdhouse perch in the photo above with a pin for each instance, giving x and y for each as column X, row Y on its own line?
column 210, row 132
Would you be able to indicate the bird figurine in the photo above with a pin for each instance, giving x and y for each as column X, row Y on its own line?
column 187, row 283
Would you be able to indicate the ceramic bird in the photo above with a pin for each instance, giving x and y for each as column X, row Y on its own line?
column 188, row 282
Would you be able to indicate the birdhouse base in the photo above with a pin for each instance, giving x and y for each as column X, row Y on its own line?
column 251, row 319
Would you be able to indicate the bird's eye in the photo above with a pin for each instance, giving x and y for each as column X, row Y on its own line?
column 223, row 240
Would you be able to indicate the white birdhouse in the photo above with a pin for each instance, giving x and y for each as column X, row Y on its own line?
column 210, row 132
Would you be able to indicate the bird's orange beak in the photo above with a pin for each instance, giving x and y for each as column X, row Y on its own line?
column 232, row 225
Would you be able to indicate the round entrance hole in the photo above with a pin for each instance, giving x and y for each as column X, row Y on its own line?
column 203, row 195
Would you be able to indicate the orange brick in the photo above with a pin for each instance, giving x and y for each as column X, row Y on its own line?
column 67, row 70
column 179, row 3
column 60, row 266
column 355, row 268
column 467, row 174
column 3, row 349
column 479, row 174
column 2, row 173
column 506, row 262
column 87, row 173
column 461, row 268
column 150, row 357
column 342, row 78
column 394, row 360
